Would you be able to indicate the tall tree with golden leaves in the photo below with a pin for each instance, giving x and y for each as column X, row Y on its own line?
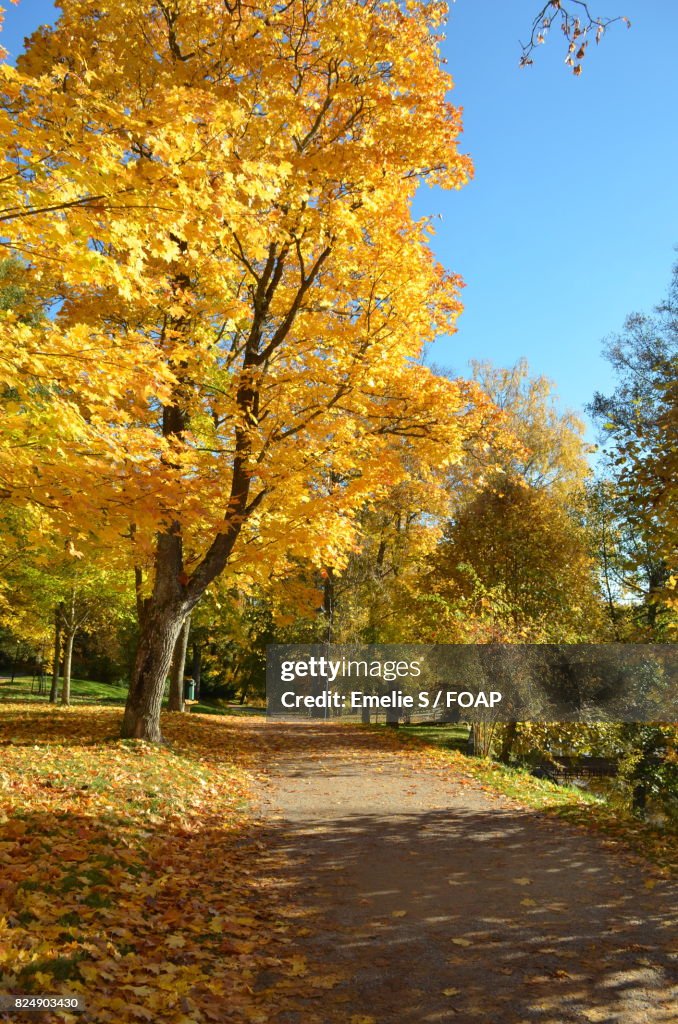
column 217, row 199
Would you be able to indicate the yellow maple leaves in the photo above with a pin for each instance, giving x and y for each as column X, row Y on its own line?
column 131, row 917
column 177, row 160
column 215, row 204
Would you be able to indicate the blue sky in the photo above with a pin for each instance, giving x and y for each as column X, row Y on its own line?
column 572, row 218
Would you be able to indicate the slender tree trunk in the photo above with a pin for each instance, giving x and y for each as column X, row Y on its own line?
column 639, row 799
column 57, row 657
column 68, row 658
column 15, row 662
column 328, row 604
column 196, row 668
column 244, row 691
column 176, row 694
column 508, row 739
column 70, row 624
column 605, row 558
column 483, row 737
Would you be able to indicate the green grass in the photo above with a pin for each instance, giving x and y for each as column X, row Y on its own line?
column 219, row 707
column 82, row 691
column 511, row 780
column 448, row 735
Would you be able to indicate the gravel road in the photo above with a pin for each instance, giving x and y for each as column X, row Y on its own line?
column 433, row 900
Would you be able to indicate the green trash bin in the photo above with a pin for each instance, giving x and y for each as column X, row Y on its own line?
column 190, row 690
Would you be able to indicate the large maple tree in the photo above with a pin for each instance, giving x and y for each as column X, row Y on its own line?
column 215, row 200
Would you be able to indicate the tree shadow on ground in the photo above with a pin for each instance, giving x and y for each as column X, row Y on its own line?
column 470, row 910
column 462, row 912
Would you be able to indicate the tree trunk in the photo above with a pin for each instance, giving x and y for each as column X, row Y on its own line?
column 508, row 739
column 68, row 658
column 160, row 630
column 244, row 690
column 15, row 663
column 639, row 797
column 57, row 657
column 328, row 604
column 483, row 738
column 196, row 668
column 176, row 694
column 175, row 594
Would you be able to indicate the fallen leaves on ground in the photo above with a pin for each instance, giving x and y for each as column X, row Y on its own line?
column 128, row 872
column 137, row 876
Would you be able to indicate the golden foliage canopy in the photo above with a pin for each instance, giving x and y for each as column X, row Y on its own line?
column 216, row 200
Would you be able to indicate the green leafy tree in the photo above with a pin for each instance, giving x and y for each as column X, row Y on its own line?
column 638, row 501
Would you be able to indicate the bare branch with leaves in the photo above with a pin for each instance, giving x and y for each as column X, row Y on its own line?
column 577, row 24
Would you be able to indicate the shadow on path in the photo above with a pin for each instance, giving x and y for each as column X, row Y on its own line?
column 437, row 902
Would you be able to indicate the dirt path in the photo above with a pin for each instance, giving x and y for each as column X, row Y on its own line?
column 435, row 901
